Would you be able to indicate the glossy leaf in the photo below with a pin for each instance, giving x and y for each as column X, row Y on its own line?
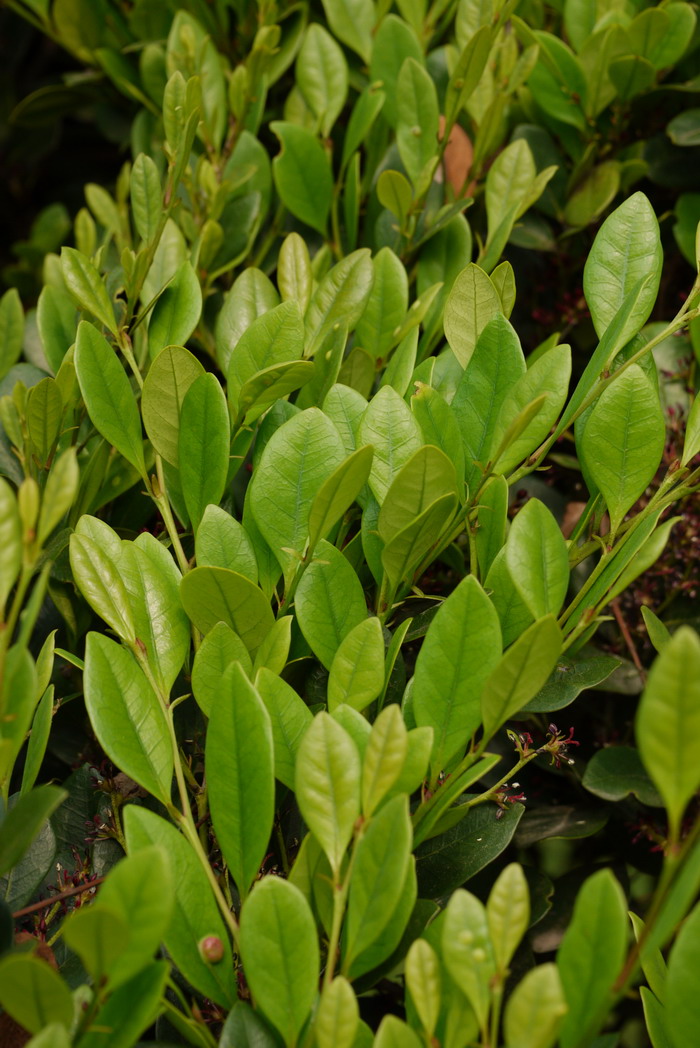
column 384, row 757
column 467, row 950
column 290, row 717
column 86, row 286
column 24, row 821
column 274, row 337
column 381, row 863
column 390, row 427
column 294, row 276
column 130, row 1010
column 681, row 1000
column 108, row 395
column 337, row 1016
column 11, row 329
column 211, row 595
column 322, row 76
column 283, row 981
column 239, row 765
column 274, row 650
column 352, row 22
column 462, row 646
column 406, row 549
column 328, row 786
column 356, row 674
column 302, row 174
column 417, row 123
column 177, row 311
column 338, row 492
column 666, row 725
column 146, row 196
column 195, row 913
column 203, row 445
column 424, row 983
column 627, row 248
column 624, row 440
column 222, row 542
column 98, row 578
column 538, row 559
column 471, row 304
column 425, row 477
column 59, row 493
column 386, row 307
column 169, row 377
column 438, row 426
column 394, row 42
column 218, row 650
column 329, row 602
column 535, row 1009
column 591, row 955
column 508, row 913
column 522, row 671
column 616, row 771
column 340, row 298
column 127, row 717
column 33, row 993
column 252, row 295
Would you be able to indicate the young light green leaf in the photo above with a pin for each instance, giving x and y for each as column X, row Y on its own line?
column 328, row 786
column 130, row 1010
column 538, row 560
column 211, row 595
column 222, row 542
column 98, row 578
column 472, row 302
column 658, row 632
column 274, row 650
column 386, row 306
column 508, row 913
column 623, row 441
column 522, row 671
column 177, row 311
column 218, row 650
column 338, row 492
column 627, row 248
column 423, row 980
column 195, row 913
column 340, row 298
column 290, row 718
column 127, row 717
column 491, row 521
column 252, row 294
column 390, row 427
column 381, row 863
column 337, row 1016
column 146, row 196
column 10, row 543
column 668, row 722
column 294, row 276
column 59, row 493
column 535, row 1009
column 357, row 672
column 108, row 395
column 322, row 76
column 394, row 42
column 384, row 757
column 302, row 174
column 681, row 999
column 169, row 377
column 395, row 1033
column 591, row 955
column 239, row 767
column 203, row 445
column 418, row 119
column 405, row 551
column 462, row 646
column 33, row 993
column 467, row 950
column 275, row 337
column 87, row 287
column 11, row 329
column 425, row 477
column 329, row 602
column 283, row 981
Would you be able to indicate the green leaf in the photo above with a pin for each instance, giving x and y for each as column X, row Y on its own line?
column 99, row 937
column 169, row 377
column 239, row 767
column 98, row 578
column 381, row 864
column 681, row 1000
column 390, row 427
column 591, row 956
column 471, row 304
column 87, row 288
column 691, row 443
column 294, row 275
column 56, row 317
column 329, row 602
column 655, row 1019
column 274, row 650
column 127, row 717
column 177, row 311
column 33, row 993
column 425, row 477
column 328, row 786
column 130, row 1011
column 616, row 771
column 357, row 672
column 535, row 1009
column 59, row 493
column 386, row 306
column 10, row 543
column 658, row 632
column 283, row 980
column 18, row 700
column 275, row 337
column 449, row 859
column 395, row 1033
column 522, row 671
column 211, row 595
column 507, row 183
column 491, row 521
column 302, row 174
column 146, row 196
column 376, row 960
column 290, row 718
column 337, row 1016
column 423, row 981
column 246, row 1027
column 44, row 412
column 570, row 677
column 297, row 459
column 195, row 914
column 668, row 722
column 462, row 646
column 406, row 549
column 203, row 445
column 438, row 426
column 417, row 124
column 23, row 822
column 627, row 248
column 108, row 395
column 364, row 113
column 352, row 22
column 467, row 950
column 384, row 757
column 623, row 441
column 340, row 298
column 508, row 913
column 11, row 330
column 394, row 42
column 322, row 76
column 218, row 650
column 538, row 559
column 222, row 542
column 252, row 295
column 139, row 890
column 338, row 492
column 593, row 196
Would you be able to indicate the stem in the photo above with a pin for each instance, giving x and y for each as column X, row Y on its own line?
column 161, row 500
column 45, row 904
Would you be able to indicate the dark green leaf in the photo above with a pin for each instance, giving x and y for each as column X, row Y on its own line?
column 616, row 771
column 24, row 821
column 302, row 174
column 571, row 676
